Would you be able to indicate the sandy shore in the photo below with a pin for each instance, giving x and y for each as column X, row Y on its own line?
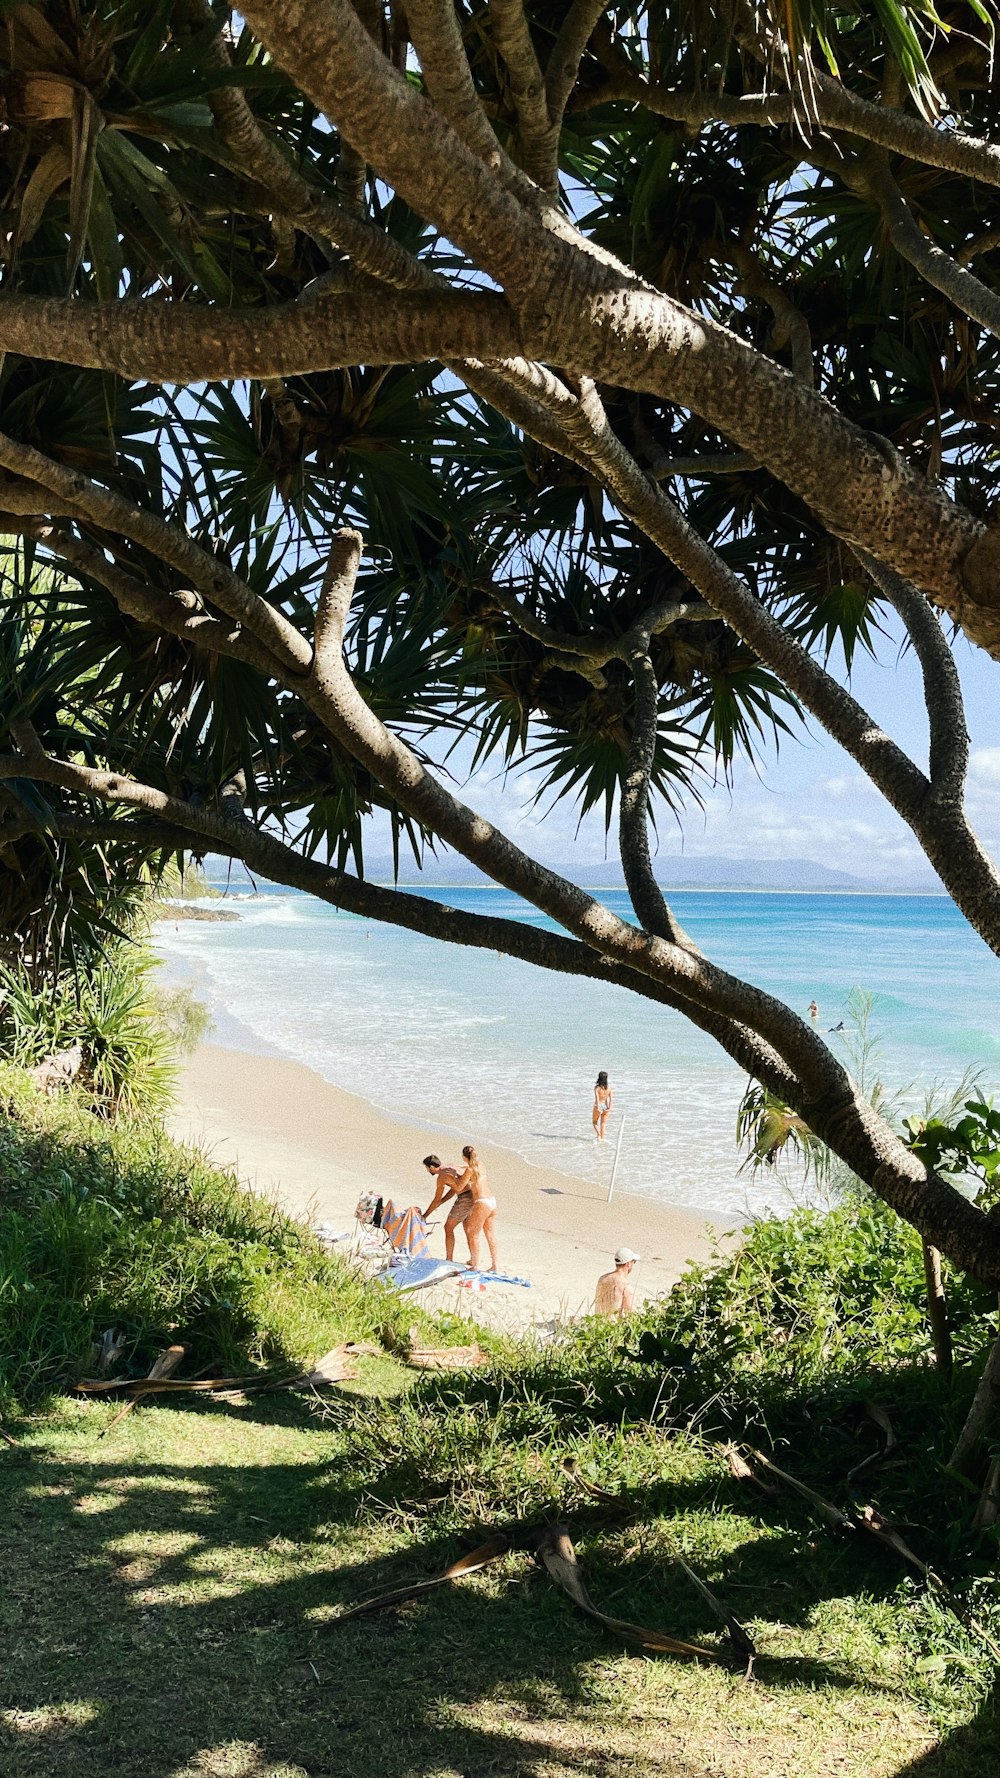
column 294, row 1136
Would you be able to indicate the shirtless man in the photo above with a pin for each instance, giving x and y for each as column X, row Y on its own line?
column 446, row 1181
column 614, row 1294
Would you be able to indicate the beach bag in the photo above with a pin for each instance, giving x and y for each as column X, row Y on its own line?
column 368, row 1210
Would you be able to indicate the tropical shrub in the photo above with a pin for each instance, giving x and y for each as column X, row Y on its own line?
column 109, row 1010
column 112, row 1225
column 816, row 1301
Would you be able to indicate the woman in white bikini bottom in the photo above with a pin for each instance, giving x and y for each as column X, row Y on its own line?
column 481, row 1219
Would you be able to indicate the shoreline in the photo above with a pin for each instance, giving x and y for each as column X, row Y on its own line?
column 315, row 1147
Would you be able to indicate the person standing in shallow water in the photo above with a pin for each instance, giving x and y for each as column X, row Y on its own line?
column 603, row 1097
column 482, row 1218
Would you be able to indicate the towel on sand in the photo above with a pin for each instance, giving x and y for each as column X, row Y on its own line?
column 414, row 1274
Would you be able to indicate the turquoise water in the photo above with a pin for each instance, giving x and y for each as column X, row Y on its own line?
column 497, row 1050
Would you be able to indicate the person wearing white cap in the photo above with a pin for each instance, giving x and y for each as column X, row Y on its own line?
column 615, row 1295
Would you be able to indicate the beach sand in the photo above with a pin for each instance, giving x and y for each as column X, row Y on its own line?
column 314, row 1147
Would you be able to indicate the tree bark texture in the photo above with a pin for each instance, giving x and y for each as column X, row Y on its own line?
column 937, row 1312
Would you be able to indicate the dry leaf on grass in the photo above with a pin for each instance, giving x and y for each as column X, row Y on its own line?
column 555, row 1550
column 738, row 1467
column 445, row 1358
column 477, row 1558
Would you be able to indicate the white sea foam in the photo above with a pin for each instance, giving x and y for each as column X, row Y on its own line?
column 495, row 1049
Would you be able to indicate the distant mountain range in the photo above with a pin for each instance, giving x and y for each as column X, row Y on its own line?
column 800, row 874
column 673, row 873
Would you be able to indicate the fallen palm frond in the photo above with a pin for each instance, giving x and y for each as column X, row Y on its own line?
column 335, row 1366
column 826, row 1509
column 445, row 1358
column 739, row 1637
column 875, row 1524
column 495, row 1546
column 162, row 1366
column 9, row 1439
column 739, row 1468
column 555, row 1550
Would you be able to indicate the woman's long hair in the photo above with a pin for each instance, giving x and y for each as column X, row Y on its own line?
column 469, row 1154
column 602, row 1078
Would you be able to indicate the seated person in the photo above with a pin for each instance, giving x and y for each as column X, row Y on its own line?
column 615, row 1295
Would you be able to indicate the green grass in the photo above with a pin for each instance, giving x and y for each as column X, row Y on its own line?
column 171, row 1583
column 115, row 1226
column 170, row 1596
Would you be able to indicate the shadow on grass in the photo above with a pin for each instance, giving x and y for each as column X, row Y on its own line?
column 165, row 1617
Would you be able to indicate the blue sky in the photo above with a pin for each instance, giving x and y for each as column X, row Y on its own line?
column 807, row 800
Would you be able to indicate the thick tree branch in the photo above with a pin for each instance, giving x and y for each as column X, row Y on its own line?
column 212, row 578
column 837, row 108
column 536, row 140
column 949, row 736
column 168, row 342
column 372, row 250
column 335, row 598
column 322, row 44
column 693, row 468
column 647, row 897
column 27, row 499
column 827, row 1098
column 170, row 823
column 436, row 37
column 334, row 698
column 568, row 50
column 949, row 843
column 578, row 307
column 177, row 614
column 873, row 180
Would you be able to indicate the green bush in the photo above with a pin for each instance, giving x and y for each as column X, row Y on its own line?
column 109, row 1010
column 783, row 1342
column 113, row 1225
column 810, row 1298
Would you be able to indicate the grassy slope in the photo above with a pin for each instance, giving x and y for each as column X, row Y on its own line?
column 168, row 1592
column 168, row 1588
column 115, row 1226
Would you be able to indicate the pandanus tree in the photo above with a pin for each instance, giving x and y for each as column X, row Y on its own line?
column 587, row 378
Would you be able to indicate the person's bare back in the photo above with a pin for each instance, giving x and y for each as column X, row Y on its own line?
column 615, row 1293
column 449, row 1183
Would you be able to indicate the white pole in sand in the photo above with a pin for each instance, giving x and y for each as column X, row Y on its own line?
column 618, row 1149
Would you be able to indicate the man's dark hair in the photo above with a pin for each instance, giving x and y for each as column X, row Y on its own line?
column 431, row 1160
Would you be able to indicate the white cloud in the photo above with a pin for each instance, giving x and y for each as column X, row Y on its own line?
column 984, row 767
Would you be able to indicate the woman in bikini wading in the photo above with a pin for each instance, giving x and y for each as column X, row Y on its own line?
column 602, row 1105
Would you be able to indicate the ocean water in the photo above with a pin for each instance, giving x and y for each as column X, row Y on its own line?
column 497, row 1050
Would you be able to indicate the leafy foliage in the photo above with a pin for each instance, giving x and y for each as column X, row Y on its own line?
column 970, row 1146
column 109, row 1010
column 119, row 180
column 115, row 1226
column 815, row 1298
